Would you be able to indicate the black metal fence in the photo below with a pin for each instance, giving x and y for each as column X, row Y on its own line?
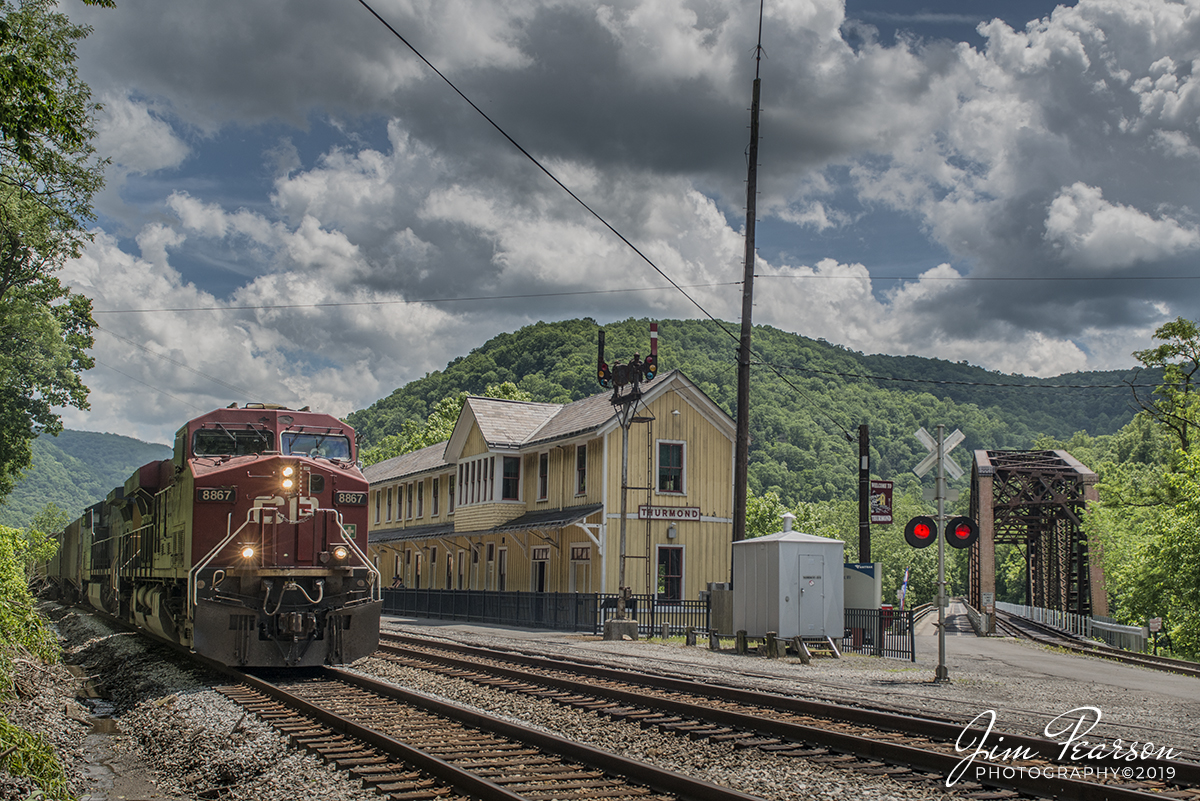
column 564, row 611
column 881, row 632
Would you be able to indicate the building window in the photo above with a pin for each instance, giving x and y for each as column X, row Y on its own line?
column 420, row 499
column 543, row 476
column 491, row 551
column 490, row 475
column 389, row 503
column 378, row 502
column 670, row 574
column 580, row 469
column 511, row 490
column 670, row 467
column 410, row 501
column 433, row 502
column 450, row 495
column 462, row 469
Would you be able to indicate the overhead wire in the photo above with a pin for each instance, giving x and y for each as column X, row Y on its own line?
column 958, row 383
column 148, row 386
column 240, row 390
column 1088, row 278
column 582, row 203
column 402, row 301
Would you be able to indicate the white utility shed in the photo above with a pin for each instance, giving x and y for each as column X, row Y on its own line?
column 789, row 583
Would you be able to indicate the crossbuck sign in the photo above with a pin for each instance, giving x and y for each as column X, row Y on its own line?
column 926, row 464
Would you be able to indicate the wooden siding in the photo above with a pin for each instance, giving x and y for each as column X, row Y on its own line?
column 708, row 485
column 399, row 489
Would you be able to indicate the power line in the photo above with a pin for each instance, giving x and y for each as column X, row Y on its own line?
column 959, row 383
column 240, row 390
column 334, row 304
column 1088, row 278
column 589, row 209
column 544, row 169
column 148, row 386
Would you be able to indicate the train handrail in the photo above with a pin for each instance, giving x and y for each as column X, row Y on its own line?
column 372, row 571
column 203, row 563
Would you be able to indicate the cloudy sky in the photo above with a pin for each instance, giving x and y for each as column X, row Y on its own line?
column 299, row 210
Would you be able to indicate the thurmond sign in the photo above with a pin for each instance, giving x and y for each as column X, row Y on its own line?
column 647, row 512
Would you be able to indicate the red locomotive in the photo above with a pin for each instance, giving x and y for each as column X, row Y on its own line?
column 249, row 546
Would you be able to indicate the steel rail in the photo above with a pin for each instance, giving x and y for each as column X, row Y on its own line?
column 454, row 776
column 1060, row 639
column 943, row 763
column 658, row 779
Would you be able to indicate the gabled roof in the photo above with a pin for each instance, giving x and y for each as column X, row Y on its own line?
column 574, row 418
column 407, row 464
column 508, row 423
column 516, row 425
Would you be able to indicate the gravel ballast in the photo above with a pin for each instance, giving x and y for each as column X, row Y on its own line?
column 159, row 730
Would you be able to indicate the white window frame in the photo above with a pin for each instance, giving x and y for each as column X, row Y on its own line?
column 683, row 471
column 499, row 479
column 584, row 472
column 682, row 576
column 543, row 478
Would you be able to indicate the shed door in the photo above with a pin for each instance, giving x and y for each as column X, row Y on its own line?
column 811, row 570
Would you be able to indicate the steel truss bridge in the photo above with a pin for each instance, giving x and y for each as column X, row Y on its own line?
column 1036, row 500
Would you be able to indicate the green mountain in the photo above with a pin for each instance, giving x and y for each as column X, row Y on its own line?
column 75, row 469
column 808, row 397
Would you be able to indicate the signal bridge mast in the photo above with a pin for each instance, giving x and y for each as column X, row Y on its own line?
column 628, row 377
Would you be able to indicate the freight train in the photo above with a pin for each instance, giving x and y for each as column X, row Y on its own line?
column 248, row 546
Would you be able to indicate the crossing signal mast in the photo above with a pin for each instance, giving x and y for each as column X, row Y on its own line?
column 922, row 531
column 627, row 377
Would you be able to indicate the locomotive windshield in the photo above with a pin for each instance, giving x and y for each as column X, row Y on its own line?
column 326, row 446
column 221, row 441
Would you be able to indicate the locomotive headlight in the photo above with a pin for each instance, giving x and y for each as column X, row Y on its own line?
column 341, row 552
column 289, row 477
column 248, row 552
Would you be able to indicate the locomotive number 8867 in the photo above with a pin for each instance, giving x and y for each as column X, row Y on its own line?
column 249, row 545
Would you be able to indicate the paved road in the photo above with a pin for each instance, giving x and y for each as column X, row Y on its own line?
column 1016, row 660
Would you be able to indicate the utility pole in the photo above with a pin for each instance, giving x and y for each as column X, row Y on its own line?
column 864, row 494
column 741, row 463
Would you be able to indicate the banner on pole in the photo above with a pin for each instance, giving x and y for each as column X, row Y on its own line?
column 881, row 502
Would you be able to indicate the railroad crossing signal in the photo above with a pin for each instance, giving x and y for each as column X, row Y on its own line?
column 931, row 445
column 961, row 532
column 920, row 531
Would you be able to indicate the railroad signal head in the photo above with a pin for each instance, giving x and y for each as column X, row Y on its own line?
column 920, row 531
column 961, row 532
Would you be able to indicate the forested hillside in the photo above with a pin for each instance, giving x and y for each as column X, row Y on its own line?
column 801, row 427
column 75, row 469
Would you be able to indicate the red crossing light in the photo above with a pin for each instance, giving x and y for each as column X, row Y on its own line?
column 961, row 532
column 920, row 531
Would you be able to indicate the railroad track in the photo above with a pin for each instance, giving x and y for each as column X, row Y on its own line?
column 412, row 747
column 864, row 740
column 1057, row 638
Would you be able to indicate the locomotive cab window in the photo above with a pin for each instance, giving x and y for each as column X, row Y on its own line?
column 225, row 442
column 325, row 446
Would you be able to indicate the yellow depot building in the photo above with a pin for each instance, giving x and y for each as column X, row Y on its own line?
column 527, row 496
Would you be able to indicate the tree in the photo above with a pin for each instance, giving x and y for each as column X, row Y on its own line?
column 48, row 176
column 438, row 426
column 1179, row 358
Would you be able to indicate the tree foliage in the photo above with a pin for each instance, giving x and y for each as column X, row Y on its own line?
column 1174, row 404
column 48, row 176
column 798, row 436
